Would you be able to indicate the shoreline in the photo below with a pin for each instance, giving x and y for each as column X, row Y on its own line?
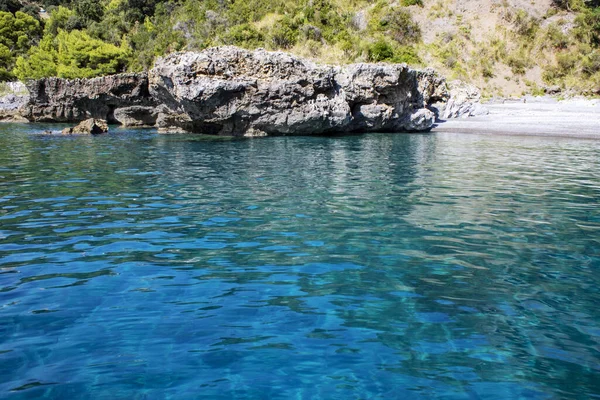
column 544, row 117
column 577, row 118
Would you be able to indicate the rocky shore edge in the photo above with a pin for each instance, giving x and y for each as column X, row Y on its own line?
column 236, row 92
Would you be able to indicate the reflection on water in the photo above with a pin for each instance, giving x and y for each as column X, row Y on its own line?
column 378, row 266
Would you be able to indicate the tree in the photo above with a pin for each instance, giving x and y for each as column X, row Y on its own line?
column 59, row 19
column 17, row 34
column 71, row 55
column 89, row 11
column 5, row 62
column 40, row 63
column 11, row 6
column 138, row 10
column 18, row 31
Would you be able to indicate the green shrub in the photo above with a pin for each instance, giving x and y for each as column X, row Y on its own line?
column 524, row 24
column 395, row 23
column 384, row 51
column 588, row 26
column 570, row 5
column 406, row 54
column 567, row 61
column 59, row 18
column 590, row 64
column 284, row 35
column 40, row 63
column 406, row 3
column 88, row 11
column 18, row 31
column 244, row 35
column 380, row 51
column 10, row 6
column 71, row 55
column 556, row 38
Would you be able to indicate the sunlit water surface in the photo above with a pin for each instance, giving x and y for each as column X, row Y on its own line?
column 140, row 266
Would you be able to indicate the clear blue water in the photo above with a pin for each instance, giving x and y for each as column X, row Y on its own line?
column 434, row 266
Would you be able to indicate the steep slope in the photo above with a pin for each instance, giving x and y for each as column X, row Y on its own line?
column 512, row 47
column 506, row 47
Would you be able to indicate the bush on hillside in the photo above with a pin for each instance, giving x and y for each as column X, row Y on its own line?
column 71, row 55
column 407, row 3
column 384, row 51
column 394, row 22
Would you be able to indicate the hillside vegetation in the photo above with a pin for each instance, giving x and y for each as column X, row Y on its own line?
column 506, row 47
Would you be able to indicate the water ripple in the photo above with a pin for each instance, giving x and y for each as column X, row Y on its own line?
column 382, row 266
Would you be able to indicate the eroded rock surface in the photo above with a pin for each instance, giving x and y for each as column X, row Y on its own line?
column 90, row 126
column 464, row 101
column 63, row 100
column 14, row 96
column 231, row 91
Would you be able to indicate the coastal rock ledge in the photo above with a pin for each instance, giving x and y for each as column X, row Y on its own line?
column 231, row 91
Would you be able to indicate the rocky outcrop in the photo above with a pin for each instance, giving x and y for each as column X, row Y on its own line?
column 231, row 91
column 136, row 116
column 464, row 101
column 88, row 127
column 13, row 97
column 62, row 100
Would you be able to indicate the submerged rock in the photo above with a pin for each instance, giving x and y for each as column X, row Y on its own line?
column 231, row 91
column 90, row 126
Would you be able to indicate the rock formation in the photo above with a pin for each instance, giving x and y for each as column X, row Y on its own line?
column 13, row 97
column 231, row 91
column 88, row 127
column 464, row 101
column 62, row 100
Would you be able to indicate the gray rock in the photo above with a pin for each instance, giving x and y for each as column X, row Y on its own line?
column 13, row 97
column 478, row 110
column 555, row 89
column 421, row 120
column 64, row 100
column 465, row 101
column 231, row 91
column 136, row 116
column 88, row 127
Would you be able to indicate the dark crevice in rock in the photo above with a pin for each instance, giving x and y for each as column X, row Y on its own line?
column 110, row 115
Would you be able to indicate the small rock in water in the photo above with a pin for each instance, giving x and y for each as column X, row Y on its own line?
column 90, row 126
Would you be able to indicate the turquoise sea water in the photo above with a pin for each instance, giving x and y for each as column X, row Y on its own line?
column 430, row 266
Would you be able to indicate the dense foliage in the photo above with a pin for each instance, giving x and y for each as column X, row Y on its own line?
column 71, row 54
column 18, row 33
column 85, row 38
column 88, row 37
